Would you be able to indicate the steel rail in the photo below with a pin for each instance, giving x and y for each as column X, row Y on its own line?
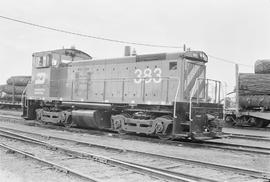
column 237, row 147
column 54, row 165
column 10, row 116
column 156, row 172
column 252, row 172
column 247, row 137
column 253, row 128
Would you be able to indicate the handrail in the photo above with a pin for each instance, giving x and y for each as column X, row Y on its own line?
column 112, row 79
column 175, row 98
column 190, row 98
column 224, row 95
column 217, row 100
column 23, row 95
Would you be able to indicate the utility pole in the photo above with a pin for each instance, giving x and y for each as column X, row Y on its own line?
column 236, row 90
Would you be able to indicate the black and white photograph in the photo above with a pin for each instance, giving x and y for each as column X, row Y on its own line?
column 135, row 91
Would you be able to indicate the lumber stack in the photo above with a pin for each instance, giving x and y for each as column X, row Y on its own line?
column 9, row 89
column 254, row 84
column 262, row 66
column 14, row 88
column 254, row 101
column 9, row 97
column 254, row 88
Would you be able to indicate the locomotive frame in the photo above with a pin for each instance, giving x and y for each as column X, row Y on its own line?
column 155, row 94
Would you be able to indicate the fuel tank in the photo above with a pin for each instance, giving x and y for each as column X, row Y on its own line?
column 91, row 119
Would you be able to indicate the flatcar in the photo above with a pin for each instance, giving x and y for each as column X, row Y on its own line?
column 164, row 94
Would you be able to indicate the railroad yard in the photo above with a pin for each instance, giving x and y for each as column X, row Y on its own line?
column 135, row 91
column 107, row 126
column 54, row 153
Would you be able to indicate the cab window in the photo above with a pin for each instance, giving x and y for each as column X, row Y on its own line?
column 55, row 60
column 42, row 61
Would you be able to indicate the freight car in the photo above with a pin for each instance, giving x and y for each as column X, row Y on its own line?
column 11, row 92
column 163, row 94
column 252, row 97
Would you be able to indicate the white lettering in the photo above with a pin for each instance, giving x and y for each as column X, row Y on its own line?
column 147, row 76
column 40, row 78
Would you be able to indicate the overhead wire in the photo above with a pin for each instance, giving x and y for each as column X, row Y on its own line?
column 88, row 36
column 228, row 61
column 111, row 40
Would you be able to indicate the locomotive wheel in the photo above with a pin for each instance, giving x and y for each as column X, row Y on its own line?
column 167, row 135
column 229, row 120
column 38, row 115
column 119, row 122
column 68, row 122
column 121, row 131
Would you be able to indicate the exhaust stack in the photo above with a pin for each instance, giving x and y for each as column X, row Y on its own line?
column 127, row 51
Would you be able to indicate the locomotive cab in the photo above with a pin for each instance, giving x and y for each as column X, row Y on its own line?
column 49, row 76
column 50, row 72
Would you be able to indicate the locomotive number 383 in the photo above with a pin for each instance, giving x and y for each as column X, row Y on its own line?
column 148, row 75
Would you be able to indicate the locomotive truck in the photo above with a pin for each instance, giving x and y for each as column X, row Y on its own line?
column 164, row 94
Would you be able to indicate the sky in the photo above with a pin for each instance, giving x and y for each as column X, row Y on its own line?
column 235, row 30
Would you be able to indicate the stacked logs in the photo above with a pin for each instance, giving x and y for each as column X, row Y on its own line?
column 254, row 84
column 262, row 66
column 254, row 88
column 14, row 88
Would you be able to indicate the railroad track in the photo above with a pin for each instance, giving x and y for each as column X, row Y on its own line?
column 250, row 128
column 248, row 137
column 11, row 149
column 236, row 147
column 10, row 116
column 188, row 143
column 170, row 168
column 107, row 164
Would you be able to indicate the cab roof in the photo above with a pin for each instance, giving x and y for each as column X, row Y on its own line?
column 68, row 54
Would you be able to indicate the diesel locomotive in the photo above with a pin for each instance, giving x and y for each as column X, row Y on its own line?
column 164, row 94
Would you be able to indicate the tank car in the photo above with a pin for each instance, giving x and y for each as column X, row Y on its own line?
column 164, row 94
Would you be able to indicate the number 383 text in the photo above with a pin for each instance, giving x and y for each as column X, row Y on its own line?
column 148, row 75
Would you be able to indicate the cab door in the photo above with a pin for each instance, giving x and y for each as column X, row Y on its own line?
column 40, row 81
